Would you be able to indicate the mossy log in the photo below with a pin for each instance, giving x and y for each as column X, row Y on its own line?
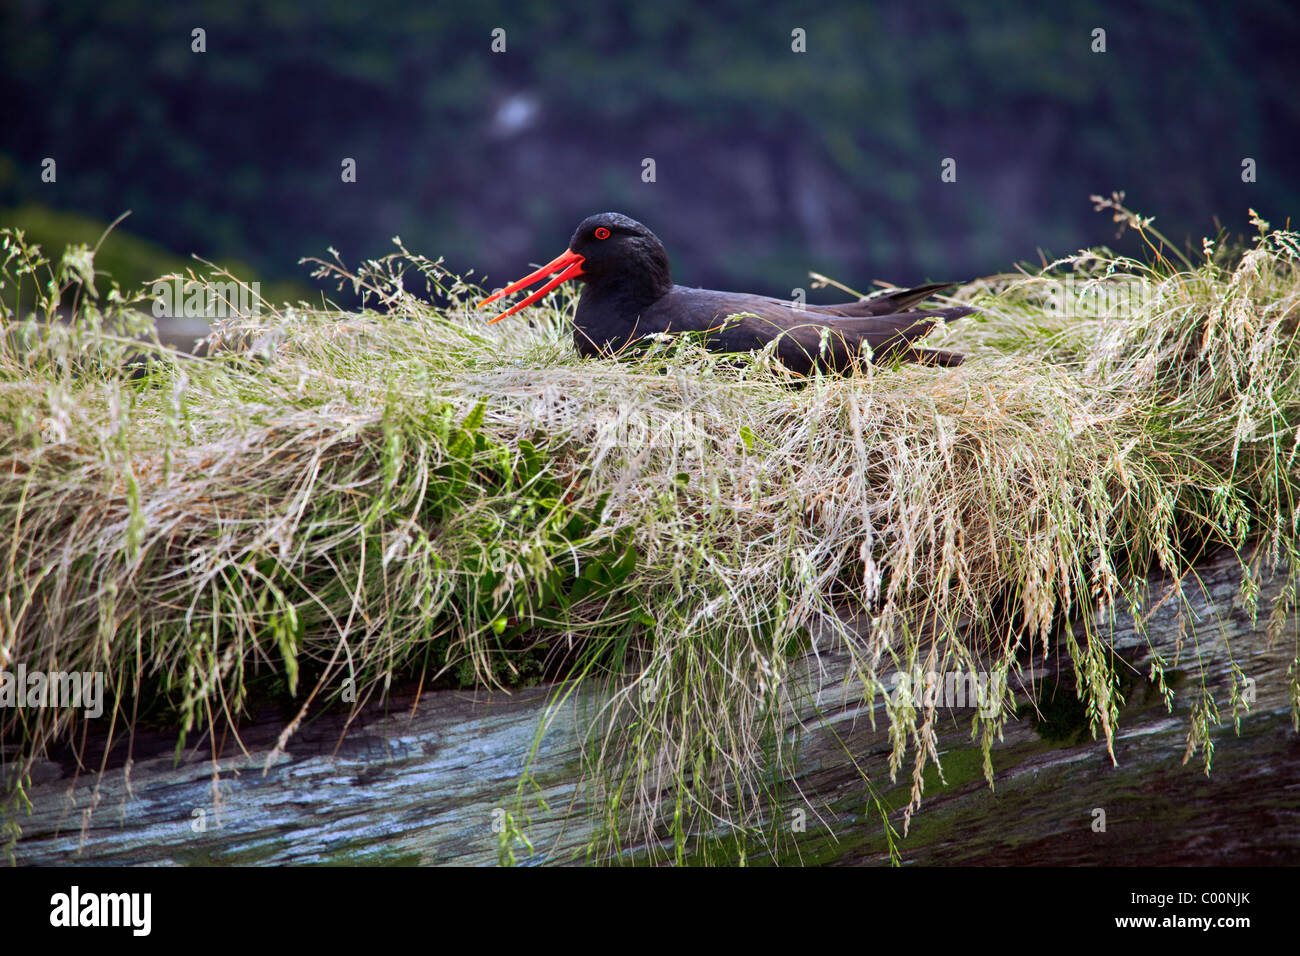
column 427, row 781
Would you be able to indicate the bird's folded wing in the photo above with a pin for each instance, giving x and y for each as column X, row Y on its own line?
column 891, row 303
column 839, row 342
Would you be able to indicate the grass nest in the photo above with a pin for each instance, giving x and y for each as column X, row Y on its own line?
column 326, row 501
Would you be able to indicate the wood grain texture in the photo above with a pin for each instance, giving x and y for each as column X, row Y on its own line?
column 418, row 782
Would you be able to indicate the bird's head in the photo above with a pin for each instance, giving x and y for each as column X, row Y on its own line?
column 608, row 249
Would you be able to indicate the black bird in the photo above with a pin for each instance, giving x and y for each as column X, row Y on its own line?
column 629, row 294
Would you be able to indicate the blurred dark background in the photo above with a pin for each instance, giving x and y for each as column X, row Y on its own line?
column 768, row 162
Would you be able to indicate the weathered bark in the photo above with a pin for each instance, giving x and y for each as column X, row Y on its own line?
column 424, row 782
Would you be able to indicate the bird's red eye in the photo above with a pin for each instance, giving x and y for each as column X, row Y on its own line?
column 602, row 232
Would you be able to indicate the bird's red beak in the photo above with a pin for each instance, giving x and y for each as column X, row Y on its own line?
column 568, row 263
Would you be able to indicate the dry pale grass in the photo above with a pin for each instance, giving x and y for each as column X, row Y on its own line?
column 332, row 500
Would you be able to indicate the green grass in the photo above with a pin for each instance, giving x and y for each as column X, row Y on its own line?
column 122, row 258
column 332, row 501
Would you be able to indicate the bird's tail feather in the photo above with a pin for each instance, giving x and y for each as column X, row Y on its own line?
column 900, row 300
column 937, row 357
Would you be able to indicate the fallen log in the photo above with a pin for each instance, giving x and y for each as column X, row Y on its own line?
column 428, row 780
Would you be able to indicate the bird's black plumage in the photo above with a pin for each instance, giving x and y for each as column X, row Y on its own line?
column 628, row 293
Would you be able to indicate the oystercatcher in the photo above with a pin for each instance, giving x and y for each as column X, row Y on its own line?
column 629, row 294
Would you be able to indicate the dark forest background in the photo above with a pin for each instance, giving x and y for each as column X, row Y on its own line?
column 768, row 162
